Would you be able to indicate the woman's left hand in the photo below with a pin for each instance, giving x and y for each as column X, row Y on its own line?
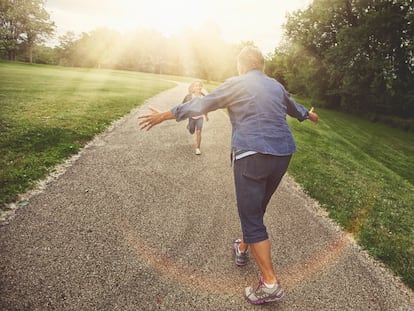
column 313, row 116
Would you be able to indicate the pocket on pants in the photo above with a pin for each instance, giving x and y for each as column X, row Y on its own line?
column 256, row 167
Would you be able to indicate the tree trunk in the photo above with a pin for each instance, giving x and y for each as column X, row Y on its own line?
column 30, row 51
column 11, row 55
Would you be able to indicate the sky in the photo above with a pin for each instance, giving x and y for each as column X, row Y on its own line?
column 259, row 21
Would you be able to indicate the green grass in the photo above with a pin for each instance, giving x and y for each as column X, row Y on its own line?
column 361, row 173
column 48, row 113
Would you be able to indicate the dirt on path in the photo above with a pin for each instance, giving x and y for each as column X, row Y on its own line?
column 137, row 221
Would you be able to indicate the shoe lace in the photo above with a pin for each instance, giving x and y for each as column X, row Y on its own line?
column 258, row 286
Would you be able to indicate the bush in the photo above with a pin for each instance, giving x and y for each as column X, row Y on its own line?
column 395, row 122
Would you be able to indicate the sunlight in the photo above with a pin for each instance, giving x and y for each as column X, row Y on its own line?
column 167, row 17
column 238, row 20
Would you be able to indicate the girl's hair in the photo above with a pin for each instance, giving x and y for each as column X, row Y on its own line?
column 251, row 58
column 192, row 85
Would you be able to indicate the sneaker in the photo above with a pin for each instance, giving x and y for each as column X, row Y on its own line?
column 241, row 258
column 261, row 294
column 198, row 151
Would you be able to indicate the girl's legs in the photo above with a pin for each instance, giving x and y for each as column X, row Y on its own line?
column 191, row 125
column 198, row 127
column 198, row 139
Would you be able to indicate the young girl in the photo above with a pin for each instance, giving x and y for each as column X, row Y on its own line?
column 195, row 124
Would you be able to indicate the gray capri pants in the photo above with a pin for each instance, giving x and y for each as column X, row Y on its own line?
column 256, row 178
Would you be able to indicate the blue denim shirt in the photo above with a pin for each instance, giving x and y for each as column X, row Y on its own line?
column 257, row 107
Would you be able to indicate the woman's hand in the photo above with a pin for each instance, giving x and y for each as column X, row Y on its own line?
column 156, row 117
column 313, row 116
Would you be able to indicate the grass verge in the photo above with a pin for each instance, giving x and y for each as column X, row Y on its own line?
column 361, row 173
column 48, row 113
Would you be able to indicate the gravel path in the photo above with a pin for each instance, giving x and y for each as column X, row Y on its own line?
column 136, row 221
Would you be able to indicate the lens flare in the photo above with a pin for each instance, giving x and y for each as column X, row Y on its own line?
column 230, row 284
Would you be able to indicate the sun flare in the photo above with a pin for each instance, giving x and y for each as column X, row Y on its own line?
column 237, row 20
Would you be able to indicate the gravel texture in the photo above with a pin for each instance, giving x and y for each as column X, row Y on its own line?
column 137, row 221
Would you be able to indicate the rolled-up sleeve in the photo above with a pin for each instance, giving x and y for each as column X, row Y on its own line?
column 221, row 97
column 189, row 109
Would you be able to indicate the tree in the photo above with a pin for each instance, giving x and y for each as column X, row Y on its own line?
column 66, row 49
column 36, row 25
column 11, row 27
column 361, row 49
column 212, row 56
column 373, row 59
column 23, row 23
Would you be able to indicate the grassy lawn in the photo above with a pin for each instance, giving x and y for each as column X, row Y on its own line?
column 47, row 113
column 360, row 172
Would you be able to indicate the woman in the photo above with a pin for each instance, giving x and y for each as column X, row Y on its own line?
column 262, row 146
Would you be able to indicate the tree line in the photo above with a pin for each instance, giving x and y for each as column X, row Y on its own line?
column 352, row 55
column 26, row 26
column 200, row 53
column 349, row 55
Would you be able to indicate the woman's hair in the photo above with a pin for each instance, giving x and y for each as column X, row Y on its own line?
column 192, row 85
column 251, row 58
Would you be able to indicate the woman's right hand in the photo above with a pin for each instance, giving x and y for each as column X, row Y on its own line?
column 156, row 117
